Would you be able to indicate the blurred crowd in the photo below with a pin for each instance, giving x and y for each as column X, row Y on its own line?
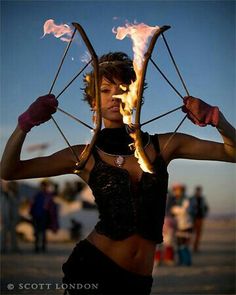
column 42, row 205
column 182, row 227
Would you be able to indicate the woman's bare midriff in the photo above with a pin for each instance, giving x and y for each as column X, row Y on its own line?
column 134, row 254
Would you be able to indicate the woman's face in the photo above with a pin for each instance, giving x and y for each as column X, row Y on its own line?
column 110, row 106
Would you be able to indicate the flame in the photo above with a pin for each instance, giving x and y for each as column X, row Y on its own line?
column 138, row 155
column 139, row 34
column 63, row 31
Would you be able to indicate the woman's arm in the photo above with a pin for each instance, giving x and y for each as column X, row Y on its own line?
column 189, row 147
column 12, row 167
column 59, row 163
column 228, row 134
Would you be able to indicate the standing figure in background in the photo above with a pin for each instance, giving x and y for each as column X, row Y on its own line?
column 9, row 215
column 44, row 215
column 75, row 230
column 165, row 252
column 180, row 209
column 69, row 191
column 198, row 210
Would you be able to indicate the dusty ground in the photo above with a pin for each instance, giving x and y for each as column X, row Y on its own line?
column 213, row 271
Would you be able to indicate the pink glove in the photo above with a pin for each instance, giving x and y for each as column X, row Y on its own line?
column 201, row 113
column 39, row 112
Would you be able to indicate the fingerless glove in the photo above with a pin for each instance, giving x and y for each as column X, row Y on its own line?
column 201, row 113
column 39, row 112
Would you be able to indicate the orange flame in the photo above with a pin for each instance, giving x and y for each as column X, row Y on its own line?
column 63, row 31
column 139, row 34
column 138, row 155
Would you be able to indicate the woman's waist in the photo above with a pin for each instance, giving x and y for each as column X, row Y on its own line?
column 134, row 253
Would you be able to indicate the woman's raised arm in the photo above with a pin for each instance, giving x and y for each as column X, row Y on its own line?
column 11, row 165
column 189, row 147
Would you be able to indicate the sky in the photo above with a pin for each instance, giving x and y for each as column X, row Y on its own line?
column 202, row 39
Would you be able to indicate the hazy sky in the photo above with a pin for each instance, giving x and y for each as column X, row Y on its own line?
column 202, row 38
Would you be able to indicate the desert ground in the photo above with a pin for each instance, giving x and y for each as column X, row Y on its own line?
column 213, row 270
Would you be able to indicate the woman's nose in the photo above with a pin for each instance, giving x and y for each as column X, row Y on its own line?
column 117, row 91
column 115, row 98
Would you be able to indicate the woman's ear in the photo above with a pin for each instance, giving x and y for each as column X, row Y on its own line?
column 94, row 107
column 94, row 110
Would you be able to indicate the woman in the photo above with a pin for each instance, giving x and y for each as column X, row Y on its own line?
column 117, row 257
column 184, row 225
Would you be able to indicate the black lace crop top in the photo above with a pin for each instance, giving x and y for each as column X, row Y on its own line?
column 123, row 211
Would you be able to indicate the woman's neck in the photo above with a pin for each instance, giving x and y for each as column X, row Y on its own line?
column 113, row 124
column 115, row 140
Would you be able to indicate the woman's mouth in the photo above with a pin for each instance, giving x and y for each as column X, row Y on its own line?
column 115, row 109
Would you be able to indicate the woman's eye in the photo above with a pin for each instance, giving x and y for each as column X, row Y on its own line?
column 105, row 90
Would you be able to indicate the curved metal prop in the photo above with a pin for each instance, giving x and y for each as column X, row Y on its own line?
column 88, row 149
column 83, row 158
column 136, row 129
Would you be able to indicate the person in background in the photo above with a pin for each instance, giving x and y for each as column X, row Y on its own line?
column 69, row 191
column 75, row 230
column 180, row 209
column 165, row 252
column 198, row 210
column 44, row 215
column 9, row 216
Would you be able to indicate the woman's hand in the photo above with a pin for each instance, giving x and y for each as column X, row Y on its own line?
column 201, row 113
column 39, row 112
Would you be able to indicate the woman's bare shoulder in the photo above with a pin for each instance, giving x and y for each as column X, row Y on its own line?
column 169, row 142
column 171, row 138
